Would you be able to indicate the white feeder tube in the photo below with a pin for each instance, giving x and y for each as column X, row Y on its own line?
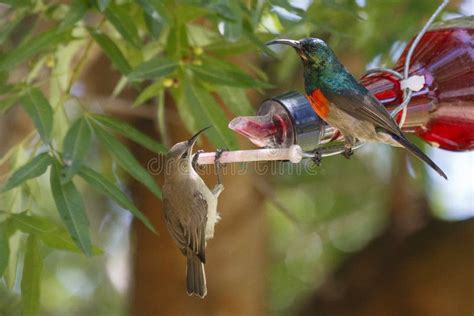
column 294, row 154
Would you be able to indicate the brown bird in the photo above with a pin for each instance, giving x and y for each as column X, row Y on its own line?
column 190, row 211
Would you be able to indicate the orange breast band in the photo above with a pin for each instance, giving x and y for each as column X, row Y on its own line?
column 319, row 103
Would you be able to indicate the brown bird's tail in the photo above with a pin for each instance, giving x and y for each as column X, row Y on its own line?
column 418, row 153
column 195, row 277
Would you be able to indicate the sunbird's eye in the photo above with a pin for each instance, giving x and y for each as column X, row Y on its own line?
column 185, row 154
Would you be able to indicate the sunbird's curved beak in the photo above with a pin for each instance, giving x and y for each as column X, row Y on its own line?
column 194, row 138
column 293, row 43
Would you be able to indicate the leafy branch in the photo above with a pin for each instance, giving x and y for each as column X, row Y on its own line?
column 161, row 49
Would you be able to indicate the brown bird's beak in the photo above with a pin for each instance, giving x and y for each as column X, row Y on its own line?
column 295, row 44
column 193, row 139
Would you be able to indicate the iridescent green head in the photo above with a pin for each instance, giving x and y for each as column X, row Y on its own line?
column 313, row 51
column 319, row 61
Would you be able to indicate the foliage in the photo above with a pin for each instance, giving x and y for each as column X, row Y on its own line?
column 178, row 48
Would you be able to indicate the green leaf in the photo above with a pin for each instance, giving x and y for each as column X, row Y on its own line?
column 30, row 282
column 71, row 209
column 249, row 32
column 177, row 41
column 7, row 28
column 155, row 9
column 232, row 24
column 102, row 4
column 5, row 87
column 232, row 30
column 4, row 248
column 32, row 169
column 207, row 111
column 156, row 16
column 4, row 79
column 186, row 12
column 30, row 224
column 108, row 188
column 161, row 117
column 111, row 51
column 224, row 48
column 7, row 102
column 236, row 100
column 153, row 69
column 49, row 232
column 76, row 12
column 61, row 240
column 153, row 26
column 223, row 73
column 123, row 22
column 75, row 146
column 40, row 111
column 131, row 133
column 221, row 9
column 29, row 48
column 126, row 160
column 148, row 93
column 185, row 111
column 16, row 3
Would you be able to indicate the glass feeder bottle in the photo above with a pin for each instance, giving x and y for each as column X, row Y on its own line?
column 442, row 112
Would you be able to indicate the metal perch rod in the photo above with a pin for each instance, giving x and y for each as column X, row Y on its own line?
column 294, row 154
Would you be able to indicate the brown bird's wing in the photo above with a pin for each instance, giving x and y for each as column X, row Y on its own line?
column 364, row 107
column 189, row 233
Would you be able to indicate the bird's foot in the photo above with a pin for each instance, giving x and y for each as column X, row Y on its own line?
column 217, row 190
column 317, row 158
column 348, row 152
column 349, row 142
column 219, row 153
column 218, row 165
column 195, row 159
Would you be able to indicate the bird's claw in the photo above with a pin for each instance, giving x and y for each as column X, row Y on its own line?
column 195, row 159
column 348, row 152
column 219, row 153
column 217, row 190
column 317, row 158
column 217, row 164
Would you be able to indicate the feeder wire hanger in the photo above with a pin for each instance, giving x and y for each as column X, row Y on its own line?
column 418, row 81
column 295, row 154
